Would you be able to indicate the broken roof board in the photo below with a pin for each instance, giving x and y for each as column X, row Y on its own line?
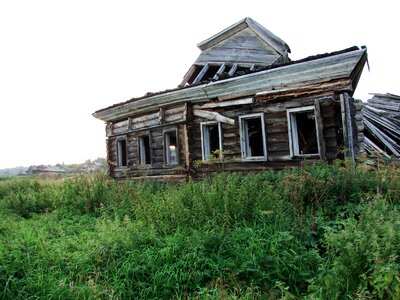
column 316, row 70
column 382, row 124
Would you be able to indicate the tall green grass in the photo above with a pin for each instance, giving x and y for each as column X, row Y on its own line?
column 321, row 232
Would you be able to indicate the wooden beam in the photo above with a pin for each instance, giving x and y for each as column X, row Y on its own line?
column 233, row 69
column 188, row 75
column 225, row 103
column 348, row 124
column 161, row 115
column 343, row 115
column 201, row 74
column 211, row 115
column 320, row 130
column 220, row 71
column 129, row 123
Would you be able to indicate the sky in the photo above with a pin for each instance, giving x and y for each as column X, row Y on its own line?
column 62, row 60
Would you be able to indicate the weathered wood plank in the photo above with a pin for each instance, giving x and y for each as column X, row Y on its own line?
column 210, row 115
column 174, row 110
column 174, row 118
column 201, row 74
column 225, row 103
column 320, row 130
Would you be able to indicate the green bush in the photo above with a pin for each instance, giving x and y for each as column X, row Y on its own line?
column 362, row 254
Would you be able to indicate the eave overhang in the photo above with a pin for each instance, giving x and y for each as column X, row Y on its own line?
column 319, row 69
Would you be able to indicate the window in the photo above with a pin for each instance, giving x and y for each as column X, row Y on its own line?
column 144, row 150
column 252, row 137
column 170, row 148
column 122, row 153
column 211, row 139
column 303, row 133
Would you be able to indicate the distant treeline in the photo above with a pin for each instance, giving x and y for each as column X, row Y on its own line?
column 97, row 164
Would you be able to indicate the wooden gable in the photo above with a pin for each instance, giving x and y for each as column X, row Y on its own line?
column 243, row 46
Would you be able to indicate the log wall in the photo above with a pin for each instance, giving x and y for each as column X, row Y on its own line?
column 277, row 136
column 188, row 126
column 153, row 124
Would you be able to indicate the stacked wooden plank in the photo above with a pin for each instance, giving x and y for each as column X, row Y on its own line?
column 381, row 116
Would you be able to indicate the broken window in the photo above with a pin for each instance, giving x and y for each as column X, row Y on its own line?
column 196, row 71
column 303, row 134
column 211, row 139
column 122, row 160
column 252, row 137
column 144, row 150
column 209, row 72
column 171, row 148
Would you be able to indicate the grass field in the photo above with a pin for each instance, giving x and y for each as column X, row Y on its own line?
column 321, row 232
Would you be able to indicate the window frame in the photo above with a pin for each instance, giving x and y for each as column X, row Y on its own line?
column 205, row 124
column 293, row 135
column 244, row 138
column 119, row 155
column 165, row 133
column 140, row 151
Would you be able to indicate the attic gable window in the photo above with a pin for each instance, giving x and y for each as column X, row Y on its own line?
column 122, row 160
column 303, row 133
column 211, row 139
column 212, row 71
column 144, row 150
column 171, row 147
column 252, row 137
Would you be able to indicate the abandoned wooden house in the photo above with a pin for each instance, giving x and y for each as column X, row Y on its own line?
column 243, row 105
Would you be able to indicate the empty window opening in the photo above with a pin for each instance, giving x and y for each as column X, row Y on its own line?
column 303, row 132
column 253, row 137
column 121, row 153
column 171, row 148
column 211, row 140
column 144, row 150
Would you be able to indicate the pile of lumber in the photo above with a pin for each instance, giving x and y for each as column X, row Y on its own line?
column 381, row 117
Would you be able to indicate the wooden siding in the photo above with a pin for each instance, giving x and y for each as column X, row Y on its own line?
column 154, row 124
column 276, row 128
column 243, row 47
column 157, row 166
column 190, row 144
column 159, row 118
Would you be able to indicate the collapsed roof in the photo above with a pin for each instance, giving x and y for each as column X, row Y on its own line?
column 316, row 69
column 243, row 46
column 381, row 117
column 246, row 59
